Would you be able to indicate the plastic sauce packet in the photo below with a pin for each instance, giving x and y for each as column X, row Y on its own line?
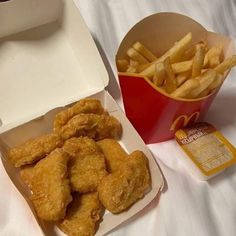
column 208, row 151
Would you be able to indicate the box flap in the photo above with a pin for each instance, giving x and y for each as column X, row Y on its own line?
column 48, row 59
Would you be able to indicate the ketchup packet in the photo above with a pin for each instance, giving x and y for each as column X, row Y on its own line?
column 208, row 151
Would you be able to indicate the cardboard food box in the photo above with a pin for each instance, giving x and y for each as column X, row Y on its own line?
column 155, row 115
column 48, row 61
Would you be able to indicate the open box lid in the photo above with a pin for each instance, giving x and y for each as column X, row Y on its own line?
column 48, row 59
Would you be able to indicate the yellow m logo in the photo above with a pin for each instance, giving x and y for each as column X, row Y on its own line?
column 185, row 119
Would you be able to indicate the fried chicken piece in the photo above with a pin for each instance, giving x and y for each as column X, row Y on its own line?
column 92, row 125
column 83, row 215
column 121, row 189
column 27, row 174
column 34, row 149
column 87, row 164
column 87, row 105
column 114, row 154
column 50, row 186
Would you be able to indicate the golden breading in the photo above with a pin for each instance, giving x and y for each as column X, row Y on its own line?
column 83, row 215
column 114, row 154
column 34, row 149
column 50, row 186
column 121, row 189
column 87, row 164
column 87, row 105
column 92, row 125
column 27, row 174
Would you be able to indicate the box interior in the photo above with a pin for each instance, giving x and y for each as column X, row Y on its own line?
column 48, row 59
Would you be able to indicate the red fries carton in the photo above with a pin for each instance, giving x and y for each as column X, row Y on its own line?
column 154, row 114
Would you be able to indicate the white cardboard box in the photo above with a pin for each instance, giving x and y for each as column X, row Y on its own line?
column 49, row 60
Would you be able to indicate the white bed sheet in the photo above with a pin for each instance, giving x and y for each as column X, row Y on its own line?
column 187, row 207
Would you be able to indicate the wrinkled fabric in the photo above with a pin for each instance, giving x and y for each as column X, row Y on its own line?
column 187, row 206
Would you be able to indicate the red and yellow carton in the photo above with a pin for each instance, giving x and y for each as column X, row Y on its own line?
column 155, row 115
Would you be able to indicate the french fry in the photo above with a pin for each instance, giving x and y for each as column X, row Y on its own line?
column 142, row 67
column 198, row 61
column 132, row 67
column 182, row 66
column 204, row 93
column 203, row 70
column 203, row 44
column 217, row 82
column 205, row 62
column 162, row 88
column 182, row 77
column 133, row 54
column 226, row 65
column 212, row 57
column 135, row 66
column 177, row 50
column 205, row 80
column 174, row 53
column 189, row 53
column 186, row 88
column 122, row 65
column 159, row 76
column 171, row 83
column 133, row 63
column 144, row 51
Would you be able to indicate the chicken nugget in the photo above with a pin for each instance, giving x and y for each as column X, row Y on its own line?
column 121, row 189
column 27, row 173
column 50, row 186
column 87, row 105
column 87, row 164
column 83, row 215
column 34, row 149
column 92, row 125
column 114, row 154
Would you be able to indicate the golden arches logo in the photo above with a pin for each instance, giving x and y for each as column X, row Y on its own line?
column 185, row 119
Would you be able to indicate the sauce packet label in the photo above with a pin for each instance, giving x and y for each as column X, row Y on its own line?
column 209, row 150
